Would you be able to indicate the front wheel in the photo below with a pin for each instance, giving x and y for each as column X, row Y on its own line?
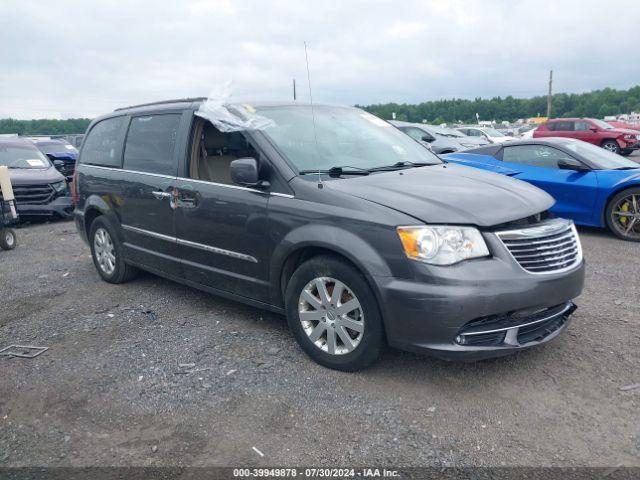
column 611, row 145
column 623, row 214
column 8, row 239
column 334, row 315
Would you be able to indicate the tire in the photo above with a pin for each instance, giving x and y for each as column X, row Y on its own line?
column 364, row 343
column 8, row 240
column 611, row 145
column 107, row 252
column 629, row 212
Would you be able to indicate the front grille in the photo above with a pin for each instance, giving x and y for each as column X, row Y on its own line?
column 515, row 328
column 539, row 331
column 548, row 247
column 33, row 194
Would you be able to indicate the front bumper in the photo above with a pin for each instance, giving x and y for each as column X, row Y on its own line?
column 60, row 206
column 430, row 312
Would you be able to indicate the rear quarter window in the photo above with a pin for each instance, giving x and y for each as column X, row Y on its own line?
column 102, row 145
column 151, row 143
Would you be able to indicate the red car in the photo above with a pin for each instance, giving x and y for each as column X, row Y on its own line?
column 617, row 140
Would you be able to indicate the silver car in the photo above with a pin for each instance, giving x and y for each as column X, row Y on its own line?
column 440, row 139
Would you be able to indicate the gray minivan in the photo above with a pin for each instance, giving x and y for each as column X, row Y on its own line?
column 359, row 235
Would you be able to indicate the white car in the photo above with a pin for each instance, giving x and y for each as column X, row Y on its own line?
column 491, row 134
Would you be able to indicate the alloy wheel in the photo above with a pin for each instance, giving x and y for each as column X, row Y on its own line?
column 331, row 315
column 104, row 251
column 9, row 239
column 610, row 146
column 625, row 216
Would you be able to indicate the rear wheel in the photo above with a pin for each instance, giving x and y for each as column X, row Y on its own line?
column 611, row 145
column 623, row 214
column 108, row 253
column 8, row 239
column 333, row 314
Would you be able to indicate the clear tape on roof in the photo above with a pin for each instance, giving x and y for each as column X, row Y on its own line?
column 230, row 118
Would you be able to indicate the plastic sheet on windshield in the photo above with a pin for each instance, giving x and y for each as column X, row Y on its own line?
column 228, row 117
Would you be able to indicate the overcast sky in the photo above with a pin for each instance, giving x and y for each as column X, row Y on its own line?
column 61, row 59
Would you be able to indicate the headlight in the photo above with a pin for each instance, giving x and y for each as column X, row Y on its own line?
column 628, row 136
column 442, row 245
column 59, row 186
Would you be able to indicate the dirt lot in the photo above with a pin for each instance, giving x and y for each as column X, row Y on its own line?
column 114, row 388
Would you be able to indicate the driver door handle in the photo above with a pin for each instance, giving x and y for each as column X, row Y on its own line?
column 161, row 195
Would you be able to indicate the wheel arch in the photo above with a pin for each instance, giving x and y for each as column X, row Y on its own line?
column 617, row 189
column 312, row 240
column 95, row 207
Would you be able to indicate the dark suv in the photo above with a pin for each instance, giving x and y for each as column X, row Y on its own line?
column 356, row 232
column 40, row 190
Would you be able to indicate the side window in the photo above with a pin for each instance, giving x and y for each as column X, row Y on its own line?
column 534, row 155
column 475, row 133
column 150, row 144
column 213, row 151
column 552, row 126
column 102, row 145
column 582, row 126
column 415, row 133
column 564, row 127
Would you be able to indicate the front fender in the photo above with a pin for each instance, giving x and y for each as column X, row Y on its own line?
column 332, row 238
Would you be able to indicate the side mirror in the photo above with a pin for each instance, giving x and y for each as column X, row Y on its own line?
column 572, row 164
column 58, row 164
column 593, row 129
column 244, row 171
column 427, row 138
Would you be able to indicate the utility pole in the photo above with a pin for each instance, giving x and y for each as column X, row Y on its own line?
column 549, row 94
column 294, row 89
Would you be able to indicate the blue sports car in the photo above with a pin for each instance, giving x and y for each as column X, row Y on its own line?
column 591, row 185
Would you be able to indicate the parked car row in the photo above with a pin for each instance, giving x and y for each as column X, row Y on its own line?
column 440, row 140
column 360, row 235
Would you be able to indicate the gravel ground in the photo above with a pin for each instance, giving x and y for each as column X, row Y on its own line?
column 155, row 373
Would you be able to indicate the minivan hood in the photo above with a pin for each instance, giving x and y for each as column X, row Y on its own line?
column 449, row 194
column 34, row 176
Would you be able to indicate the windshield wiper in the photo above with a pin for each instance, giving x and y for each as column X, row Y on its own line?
column 338, row 171
column 400, row 165
column 627, row 168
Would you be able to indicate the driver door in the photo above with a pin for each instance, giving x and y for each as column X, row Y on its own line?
column 574, row 191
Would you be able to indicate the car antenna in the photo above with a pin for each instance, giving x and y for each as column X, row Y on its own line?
column 313, row 114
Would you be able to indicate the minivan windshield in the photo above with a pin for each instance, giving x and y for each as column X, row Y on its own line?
column 19, row 155
column 342, row 137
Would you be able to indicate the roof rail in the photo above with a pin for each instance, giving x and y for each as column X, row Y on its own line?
column 177, row 100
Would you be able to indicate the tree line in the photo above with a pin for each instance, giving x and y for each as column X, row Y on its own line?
column 598, row 104
column 44, row 126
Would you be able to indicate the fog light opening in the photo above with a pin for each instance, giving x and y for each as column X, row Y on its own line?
column 461, row 339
